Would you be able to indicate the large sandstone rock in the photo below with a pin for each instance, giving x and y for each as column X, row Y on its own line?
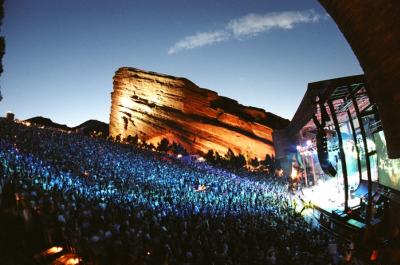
column 155, row 106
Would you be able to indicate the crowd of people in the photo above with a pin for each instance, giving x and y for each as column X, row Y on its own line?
column 115, row 204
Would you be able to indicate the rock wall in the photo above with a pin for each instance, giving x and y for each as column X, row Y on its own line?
column 155, row 106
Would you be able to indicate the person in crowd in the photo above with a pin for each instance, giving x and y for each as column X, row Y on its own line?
column 116, row 204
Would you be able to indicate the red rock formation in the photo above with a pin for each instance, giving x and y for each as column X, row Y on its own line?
column 155, row 106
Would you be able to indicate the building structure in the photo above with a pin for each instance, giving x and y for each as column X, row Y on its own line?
column 335, row 148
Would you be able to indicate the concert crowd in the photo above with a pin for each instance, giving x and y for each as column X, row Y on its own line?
column 117, row 204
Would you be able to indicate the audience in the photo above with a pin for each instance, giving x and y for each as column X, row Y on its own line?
column 115, row 204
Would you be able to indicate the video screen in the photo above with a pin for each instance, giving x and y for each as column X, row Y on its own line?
column 388, row 169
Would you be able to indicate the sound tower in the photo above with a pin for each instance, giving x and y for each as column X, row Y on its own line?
column 322, row 141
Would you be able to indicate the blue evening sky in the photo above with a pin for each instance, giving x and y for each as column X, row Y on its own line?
column 61, row 55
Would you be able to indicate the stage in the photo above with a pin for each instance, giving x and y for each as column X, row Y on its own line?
column 327, row 195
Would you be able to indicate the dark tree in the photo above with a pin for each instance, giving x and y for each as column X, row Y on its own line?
column 179, row 149
column 273, row 165
column 230, row 156
column 2, row 41
column 254, row 162
column 133, row 140
column 163, row 146
column 173, row 147
column 150, row 146
column 268, row 162
column 218, row 159
column 210, row 157
column 240, row 161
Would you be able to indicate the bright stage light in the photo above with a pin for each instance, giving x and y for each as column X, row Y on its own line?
column 329, row 195
column 294, row 173
column 68, row 259
column 52, row 251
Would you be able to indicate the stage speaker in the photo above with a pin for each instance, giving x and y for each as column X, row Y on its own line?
column 322, row 150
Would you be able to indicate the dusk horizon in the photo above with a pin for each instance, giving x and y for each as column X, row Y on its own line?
column 60, row 58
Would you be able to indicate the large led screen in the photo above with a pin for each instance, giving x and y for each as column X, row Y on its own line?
column 388, row 169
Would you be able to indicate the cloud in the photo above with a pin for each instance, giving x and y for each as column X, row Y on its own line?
column 198, row 40
column 246, row 26
column 254, row 24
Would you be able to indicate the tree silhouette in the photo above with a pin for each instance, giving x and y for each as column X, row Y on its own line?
column 218, row 159
column 230, row 156
column 133, row 140
column 239, row 161
column 268, row 162
column 210, row 157
column 273, row 165
column 254, row 162
column 2, row 41
column 163, row 146
column 178, row 149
